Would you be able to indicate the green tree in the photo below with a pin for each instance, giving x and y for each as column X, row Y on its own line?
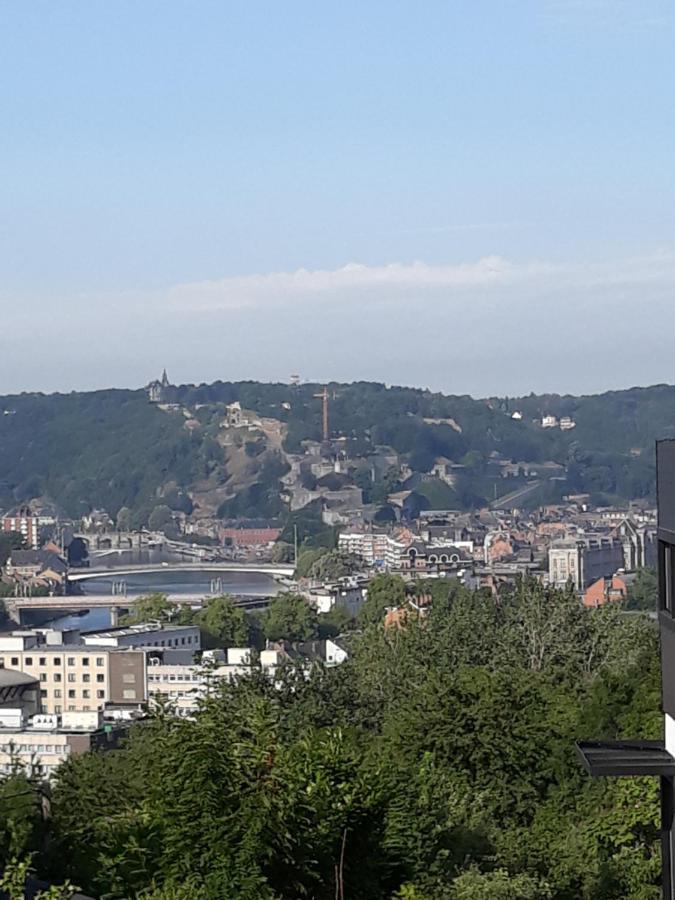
column 10, row 540
column 290, row 617
column 383, row 591
column 282, row 552
column 306, row 560
column 334, row 564
column 643, row 593
column 123, row 519
column 336, row 621
column 222, row 624
column 150, row 608
column 161, row 519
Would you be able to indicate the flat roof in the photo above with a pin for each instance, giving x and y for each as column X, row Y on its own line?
column 625, row 758
column 142, row 628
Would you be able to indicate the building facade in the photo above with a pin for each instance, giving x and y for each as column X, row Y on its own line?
column 584, row 561
column 74, row 677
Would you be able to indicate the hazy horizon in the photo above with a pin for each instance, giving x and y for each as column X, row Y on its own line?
column 475, row 197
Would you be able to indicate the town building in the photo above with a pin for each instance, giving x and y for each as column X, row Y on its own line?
column 375, row 548
column 605, row 590
column 184, row 686
column 146, row 635
column 582, row 562
column 39, row 744
column 37, row 568
column 75, row 677
column 24, row 522
column 249, row 534
column 639, row 544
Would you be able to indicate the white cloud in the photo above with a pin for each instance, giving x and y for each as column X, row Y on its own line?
column 350, row 281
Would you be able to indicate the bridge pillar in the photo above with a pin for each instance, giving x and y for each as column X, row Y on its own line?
column 114, row 616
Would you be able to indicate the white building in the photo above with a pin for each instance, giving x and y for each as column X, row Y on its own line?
column 146, row 635
column 374, row 548
column 549, row 422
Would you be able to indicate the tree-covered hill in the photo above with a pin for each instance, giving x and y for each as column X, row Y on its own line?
column 113, row 448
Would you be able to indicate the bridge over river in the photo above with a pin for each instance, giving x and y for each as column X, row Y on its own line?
column 118, row 600
column 279, row 571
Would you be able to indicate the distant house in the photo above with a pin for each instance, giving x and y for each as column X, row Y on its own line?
column 156, row 390
column 250, row 534
column 24, row 522
column 605, row 590
column 549, row 422
column 37, row 565
column 567, row 423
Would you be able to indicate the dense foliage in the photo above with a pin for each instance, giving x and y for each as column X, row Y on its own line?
column 113, row 449
column 437, row 762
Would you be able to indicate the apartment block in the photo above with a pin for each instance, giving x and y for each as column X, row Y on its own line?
column 76, row 677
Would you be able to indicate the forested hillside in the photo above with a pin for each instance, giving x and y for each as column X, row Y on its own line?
column 109, row 449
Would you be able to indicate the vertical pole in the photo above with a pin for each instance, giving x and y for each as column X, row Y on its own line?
column 667, row 837
column 295, row 545
column 325, row 413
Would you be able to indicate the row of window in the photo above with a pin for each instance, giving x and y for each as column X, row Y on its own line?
column 56, row 661
column 72, row 677
column 71, row 708
column 72, row 695
column 35, row 748
column 198, row 678
column 172, row 642
column 175, row 693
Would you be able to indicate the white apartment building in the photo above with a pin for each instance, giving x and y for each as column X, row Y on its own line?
column 185, row 685
column 374, row 548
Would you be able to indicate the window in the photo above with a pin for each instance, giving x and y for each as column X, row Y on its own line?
column 129, row 678
column 43, row 660
column 100, row 661
column 71, row 677
column 43, row 693
column 85, row 708
column 57, row 676
column 14, row 661
column 56, row 660
column 85, row 694
column 43, row 677
column 71, row 695
column 57, row 692
column 128, row 694
column 71, row 660
column 667, row 577
column 29, row 660
column 86, row 677
column 85, row 660
column 71, row 708
column 100, row 694
column 100, row 678
column 58, row 708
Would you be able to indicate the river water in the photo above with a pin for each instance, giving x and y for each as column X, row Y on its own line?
column 196, row 584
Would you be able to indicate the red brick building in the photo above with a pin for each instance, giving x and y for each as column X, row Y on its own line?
column 249, row 537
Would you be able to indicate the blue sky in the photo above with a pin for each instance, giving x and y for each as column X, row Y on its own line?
column 473, row 196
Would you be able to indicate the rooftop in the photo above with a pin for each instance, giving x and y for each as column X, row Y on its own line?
column 141, row 628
